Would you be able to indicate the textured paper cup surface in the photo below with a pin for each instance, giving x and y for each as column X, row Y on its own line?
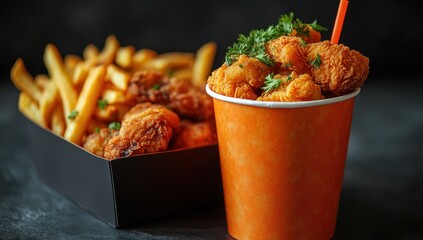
column 282, row 165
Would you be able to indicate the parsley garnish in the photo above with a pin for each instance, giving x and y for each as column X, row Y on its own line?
column 102, row 104
column 155, row 87
column 253, row 44
column 170, row 73
column 289, row 24
column 114, row 125
column 72, row 115
column 97, row 130
column 271, row 83
column 316, row 62
column 303, row 42
column 317, row 27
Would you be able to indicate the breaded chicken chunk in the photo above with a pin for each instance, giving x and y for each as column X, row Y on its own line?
column 243, row 79
column 191, row 134
column 294, row 88
column 336, row 68
column 290, row 53
column 146, row 128
column 97, row 141
column 179, row 95
column 313, row 35
column 340, row 69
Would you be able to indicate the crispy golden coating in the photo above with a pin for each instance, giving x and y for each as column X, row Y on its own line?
column 188, row 101
column 324, row 69
column 96, row 142
column 341, row 71
column 146, row 128
column 243, row 79
column 313, row 36
column 145, row 85
column 290, row 53
column 177, row 94
column 294, row 88
column 190, row 134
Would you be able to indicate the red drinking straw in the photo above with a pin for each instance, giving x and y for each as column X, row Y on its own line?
column 337, row 28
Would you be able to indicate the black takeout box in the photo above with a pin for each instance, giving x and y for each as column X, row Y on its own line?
column 132, row 190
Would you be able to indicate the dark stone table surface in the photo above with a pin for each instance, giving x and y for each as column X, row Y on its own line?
column 382, row 195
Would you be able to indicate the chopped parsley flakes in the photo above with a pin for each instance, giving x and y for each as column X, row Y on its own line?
column 253, row 44
column 316, row 62
column 72, row 115
column 114, row 125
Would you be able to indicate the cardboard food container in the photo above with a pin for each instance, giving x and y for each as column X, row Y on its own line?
column 132, row 190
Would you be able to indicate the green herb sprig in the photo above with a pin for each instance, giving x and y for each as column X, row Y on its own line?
column 72, row 115
column 253, row 44
column 155, row 87
column 271, row 83
column 114, row 126
column 102, row 104
column 316, row 62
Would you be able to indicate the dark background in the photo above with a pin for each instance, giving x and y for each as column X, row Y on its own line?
column 387, row 31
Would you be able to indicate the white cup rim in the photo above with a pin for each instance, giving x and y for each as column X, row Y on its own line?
column 269, row 104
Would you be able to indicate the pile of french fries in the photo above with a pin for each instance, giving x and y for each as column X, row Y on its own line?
column 81, row 94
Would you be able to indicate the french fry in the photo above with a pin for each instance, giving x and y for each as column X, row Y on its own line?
column 90, row 52
column 80, row 73
column 171, row 60
column 118, row 77
column 107, row 56
column 141, row 57
column 124, row 56
column 66, row 100
column 58, row 124
column 28, row 107
column 42, row 81
column 113, row 96
column 185, row 73
column 85, row 105
column 47, row 103
column 70, row 62
column 61, row 78
column 203, row 64
column 82, row 68
column 24, row 81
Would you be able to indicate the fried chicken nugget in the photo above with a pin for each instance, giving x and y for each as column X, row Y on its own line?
column 294, row 88
column 96, row 142
column 188, row 101
column 243, row 79
column 341, row 69
column 146, row 128
column 144, row 86
column 191, row 134
column 178, row 94
column 313, row 35
column 290, row 53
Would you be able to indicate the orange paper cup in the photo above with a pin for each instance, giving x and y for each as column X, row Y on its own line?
column 282, row 165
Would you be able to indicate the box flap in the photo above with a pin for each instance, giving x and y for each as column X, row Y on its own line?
column 152, row 186
column 82, row 177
